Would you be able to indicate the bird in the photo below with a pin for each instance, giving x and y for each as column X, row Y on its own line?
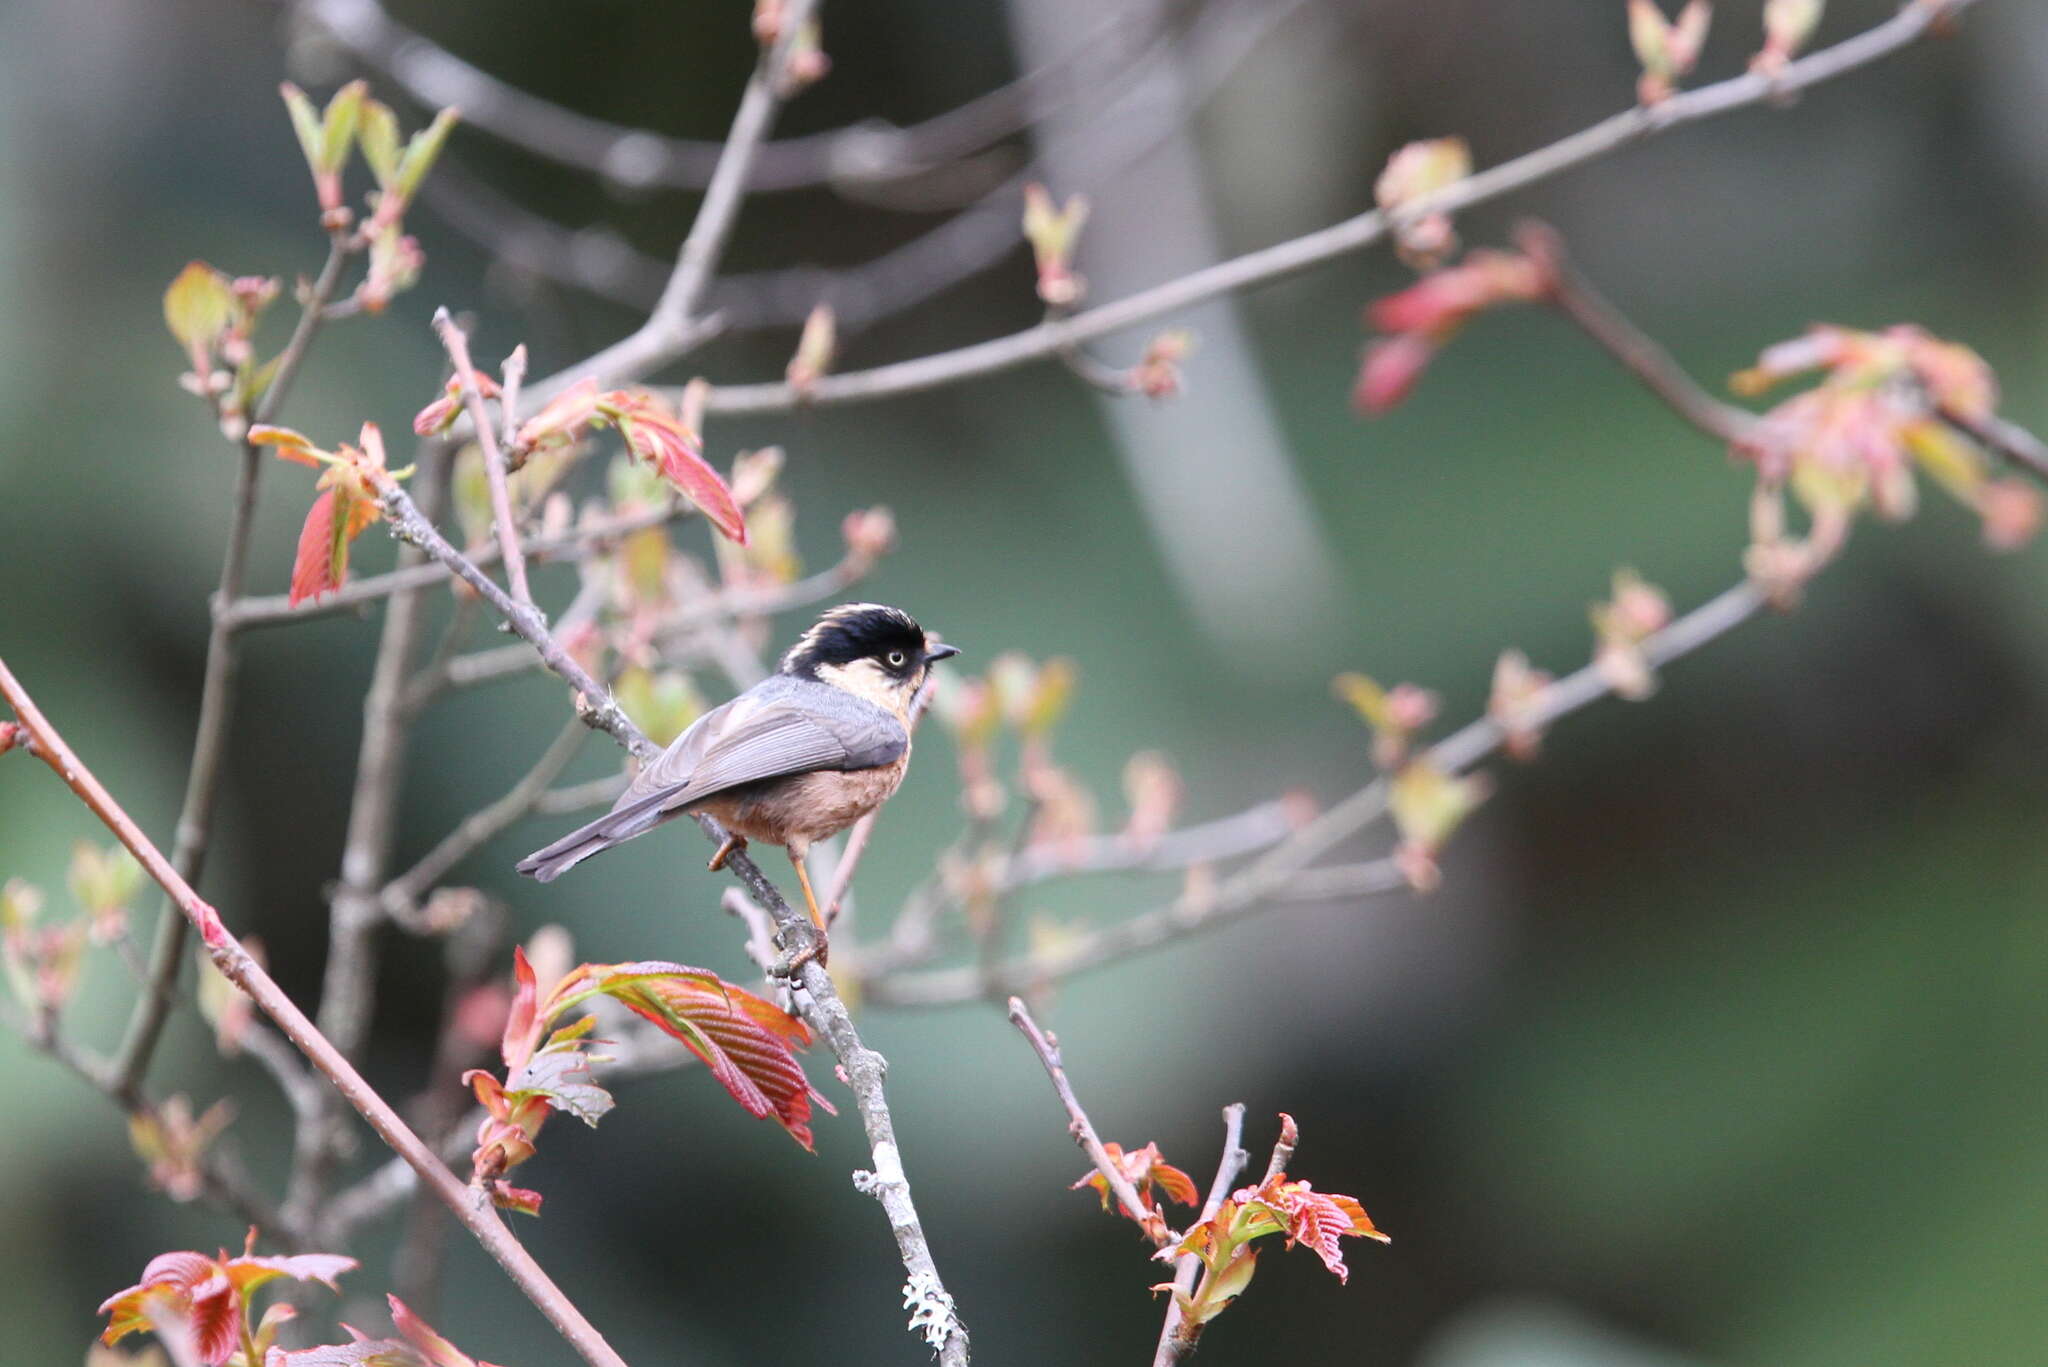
column 795, row 759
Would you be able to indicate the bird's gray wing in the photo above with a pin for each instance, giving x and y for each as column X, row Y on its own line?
column 767, row 734
column 776, row 729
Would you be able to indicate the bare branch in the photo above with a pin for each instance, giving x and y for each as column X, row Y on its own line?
column 2011, row 441
column 1189, row 1265
column 717, row 605
column 1132, row 121
column 1048, row 340
column 1047, row 1048
column 194, row 830
column 1574, row 296
column 457, row 346
column 1282, row 874
column 234, row 961
column 401, row 895
column 639, row 159
column 571, row 546
column 675, row 325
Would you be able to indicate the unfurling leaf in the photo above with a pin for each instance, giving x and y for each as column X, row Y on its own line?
column 1147, row 1171
column 419, row 1345
column 1419, row 320
column 173, row 1143
column 744, row 1041
column 1427, row 805
column 1787, row 26
column 1517, row 688
column 814, row 351
column 198, row 307
column 1278, row 1205
column 1623, row 624
column 657, row 436
column 1668, row 50
column 1054, row 233
column 322, row 560
column 206, row 1301
column 1414, row 173
column 1395, row 714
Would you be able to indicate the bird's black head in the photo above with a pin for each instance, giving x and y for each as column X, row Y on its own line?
column 881, row 646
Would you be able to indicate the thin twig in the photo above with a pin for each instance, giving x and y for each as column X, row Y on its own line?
column 234, row 961
column 2008, row 439
column 1047, row 1047
column 1047, row 340
column 865, row 153
column 1270, row 877
column 194, row 830
column 571, row 546
column 402, row 894
column 514, row 372
column 1189, row 1265
column 457, row 345
column 225, row 1183
column 1574, row 296
column 673, row 327
column 712, row 607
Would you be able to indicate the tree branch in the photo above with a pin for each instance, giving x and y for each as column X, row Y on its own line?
column 401, row 895
column 234, row 961
column 1049, row 339
column 674, row 325
column 1574, row 296
column 1282, row 874
column 1083, row 1130
column 217, row 697
column 640, row 159
column 509, row 551
column 1189, row 1265
column 570, row 546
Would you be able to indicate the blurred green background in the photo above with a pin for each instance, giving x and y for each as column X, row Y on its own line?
column 1724, row 1041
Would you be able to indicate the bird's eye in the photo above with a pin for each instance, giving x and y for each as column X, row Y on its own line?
column 896, row 658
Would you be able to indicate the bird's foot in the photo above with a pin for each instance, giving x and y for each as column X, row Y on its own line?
column 800, row 942
column 730, row 846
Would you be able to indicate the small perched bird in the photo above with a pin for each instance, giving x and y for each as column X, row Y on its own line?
column 798, row 757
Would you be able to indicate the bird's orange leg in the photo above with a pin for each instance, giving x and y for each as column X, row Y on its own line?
column 730, row 846
column 803, row 876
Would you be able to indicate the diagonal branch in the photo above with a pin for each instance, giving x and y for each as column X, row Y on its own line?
column 234, row 961
column 644, row 160
column 1048, row 1050
column 1049, row 339
column 457, row 345
column 674, row 326
column 1189, row 1265
column 1283, row 874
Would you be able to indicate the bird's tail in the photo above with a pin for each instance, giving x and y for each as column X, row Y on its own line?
column 615, row 827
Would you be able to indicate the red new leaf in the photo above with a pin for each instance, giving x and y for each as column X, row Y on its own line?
column 743, row 1040
column 315, row 570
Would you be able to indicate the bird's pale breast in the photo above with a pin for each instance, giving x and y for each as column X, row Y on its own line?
column 809, row 806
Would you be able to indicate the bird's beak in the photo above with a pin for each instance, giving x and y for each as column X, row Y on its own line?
column 941, row 652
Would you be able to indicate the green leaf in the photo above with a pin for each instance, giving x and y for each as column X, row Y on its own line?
column 421, row 152
column 377, row 135
column 305, row 122
column 339, row 128
column 198, row 306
